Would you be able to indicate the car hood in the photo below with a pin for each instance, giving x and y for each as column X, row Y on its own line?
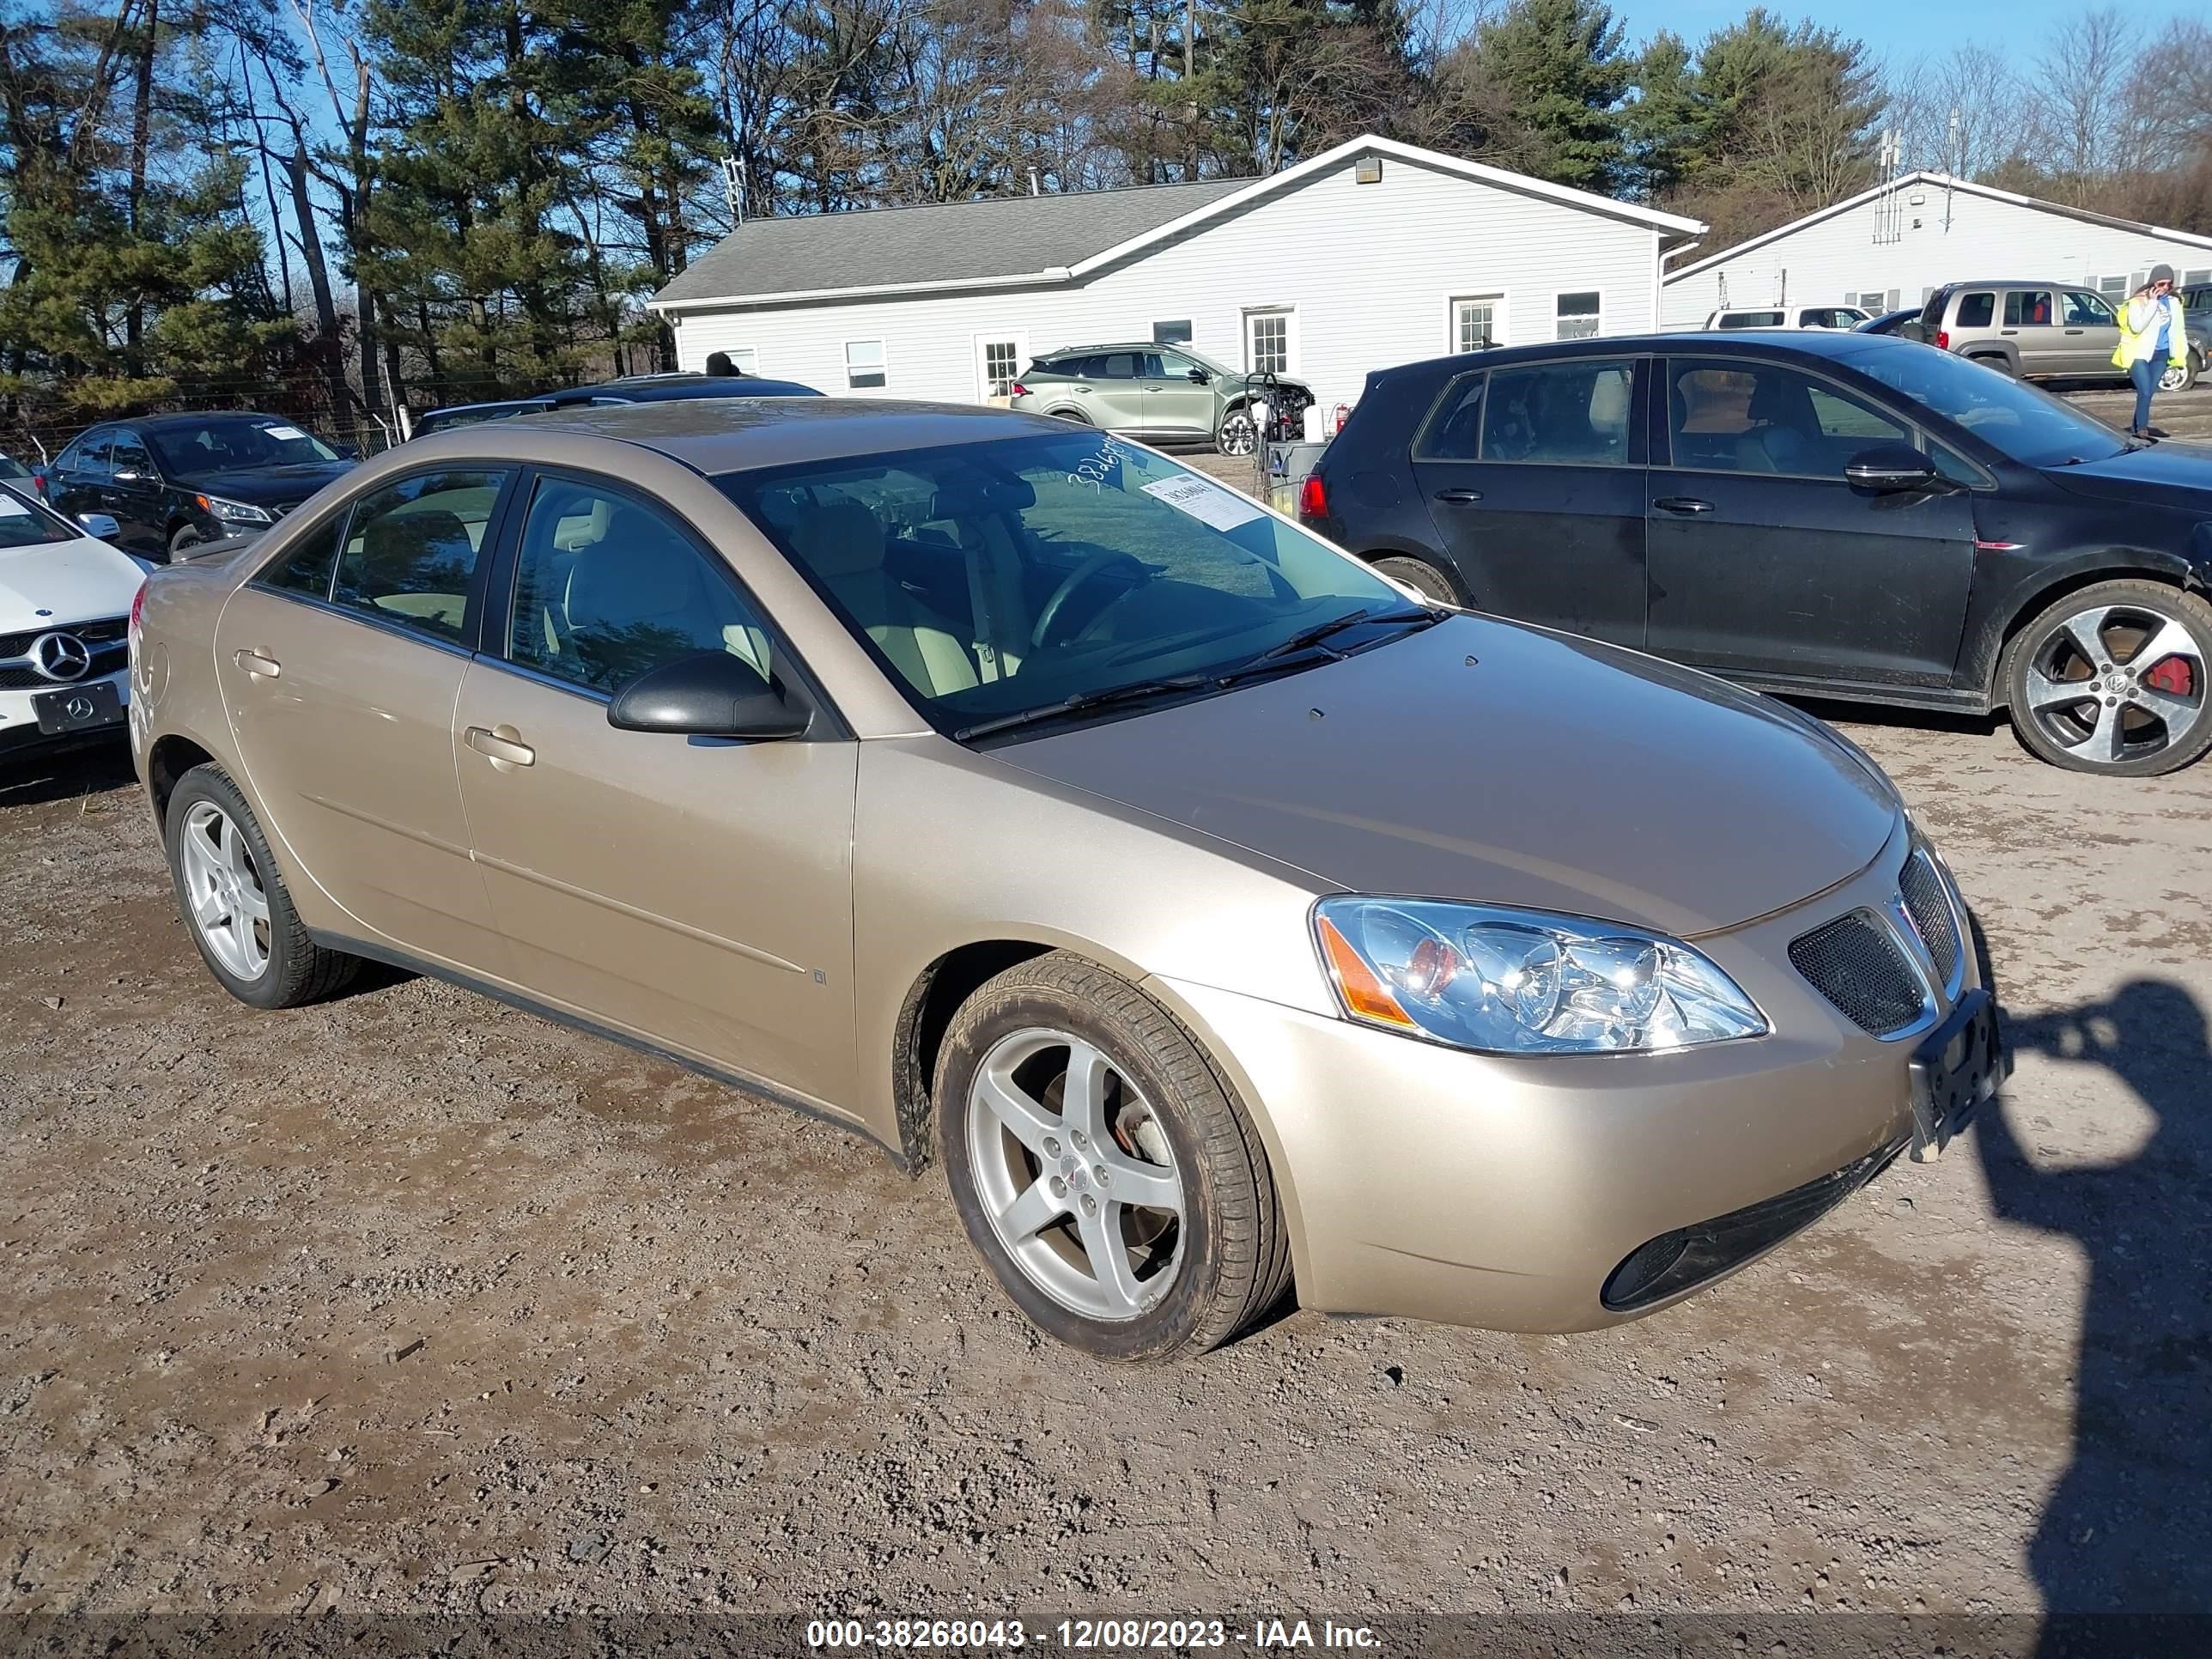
column 2173, row 473
column 266, row 486
column 65, row 582
column 1480, row 760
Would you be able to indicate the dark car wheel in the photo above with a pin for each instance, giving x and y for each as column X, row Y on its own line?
column 182, row 537
column 1119, row 1193
column 2112, row 679
column 1072, row 416
column 1422, row 577
column 235, row 904
column 1997, row 360
column 1239, row 434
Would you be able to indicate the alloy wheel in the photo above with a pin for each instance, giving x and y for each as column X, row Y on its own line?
column 1075, row 1172
column 1240, row 434
column 2175, row 378
column 223, row 890
column 2115, row 684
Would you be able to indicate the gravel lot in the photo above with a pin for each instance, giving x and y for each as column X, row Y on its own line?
column 411, row 1302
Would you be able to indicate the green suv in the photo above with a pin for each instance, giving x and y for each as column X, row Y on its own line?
column 1160, row 393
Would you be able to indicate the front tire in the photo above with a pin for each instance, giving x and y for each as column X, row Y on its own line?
column 2179, row 377
column 2112, row 679
column 183, row 537
column 1239, row 434
column 234, row 902
column 1120, row 1195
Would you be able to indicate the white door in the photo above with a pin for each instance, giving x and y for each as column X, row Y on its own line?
column 999, row 359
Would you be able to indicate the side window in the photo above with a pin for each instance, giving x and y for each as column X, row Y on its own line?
column 1454, row 431
column 87, row 457
column 2028, row 307
column 1571, row 413
column 311, row 564
column 1115, row 366
column 1951, row 467
column 2085, row 310
column 606, row 587
column 1155, row 367
column 1759, row 418
column 1976, row 310
column 127, row 455
column 411, row 548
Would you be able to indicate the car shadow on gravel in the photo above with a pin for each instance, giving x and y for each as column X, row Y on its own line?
column 41, row 778
column 2125, row 1529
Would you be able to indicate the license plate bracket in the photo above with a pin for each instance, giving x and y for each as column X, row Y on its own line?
column 78, row 709
column 1954, row 1068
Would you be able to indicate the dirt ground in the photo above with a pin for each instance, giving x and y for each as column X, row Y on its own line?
column 411, row 1302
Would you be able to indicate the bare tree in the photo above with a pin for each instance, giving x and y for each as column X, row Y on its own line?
column 2081, row 95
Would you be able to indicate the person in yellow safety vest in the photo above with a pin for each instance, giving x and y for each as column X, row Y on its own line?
column 2152, row 337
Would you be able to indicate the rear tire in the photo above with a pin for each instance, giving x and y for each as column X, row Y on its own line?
column 1424, row 578
column 1072, row 416
column 1147, row 1279
column 1997, row 360
column 2112, row 679
column 234, row 902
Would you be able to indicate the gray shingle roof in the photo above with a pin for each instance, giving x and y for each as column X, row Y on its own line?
column 949, row 241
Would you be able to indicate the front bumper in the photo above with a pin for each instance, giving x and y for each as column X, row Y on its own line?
column 1506, row 1192
column 19, row 721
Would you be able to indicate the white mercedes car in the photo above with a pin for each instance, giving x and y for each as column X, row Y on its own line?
column 65, row 599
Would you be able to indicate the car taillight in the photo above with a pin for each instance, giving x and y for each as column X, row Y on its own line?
column 38, row 484
column 1942, row 339
column 1016, row 389
column 1313, row 497
column 138, row 618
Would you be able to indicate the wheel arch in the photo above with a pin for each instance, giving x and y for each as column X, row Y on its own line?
column 2051, row 586
column 2002, row 350
column 167, row 762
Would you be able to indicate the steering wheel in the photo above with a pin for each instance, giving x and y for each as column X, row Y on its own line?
column 1075, row 579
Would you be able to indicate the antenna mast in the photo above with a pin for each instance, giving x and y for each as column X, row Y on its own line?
column 733, row 187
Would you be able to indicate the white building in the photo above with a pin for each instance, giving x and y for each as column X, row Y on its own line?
column 1375, row 253
column 1893, row 246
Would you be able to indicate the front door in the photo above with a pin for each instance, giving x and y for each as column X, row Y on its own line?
column 134, row 498
column 1175, row 405
column 340, row 666
column 1766, row 561
column 77, row 481
column 1534, row 479
column 693, row 892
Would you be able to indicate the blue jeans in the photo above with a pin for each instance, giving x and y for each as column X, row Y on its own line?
column 2146, row 375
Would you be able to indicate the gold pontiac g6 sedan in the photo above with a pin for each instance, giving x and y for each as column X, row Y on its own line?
column 1224, row 917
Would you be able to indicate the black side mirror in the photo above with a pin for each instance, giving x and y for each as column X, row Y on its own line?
column 1890, row 466
column 347, row 452
column 712, row 695
column 1199, row 376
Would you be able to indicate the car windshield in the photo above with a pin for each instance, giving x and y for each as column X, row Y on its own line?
column 226, row 443
column 1000, row 581
column 24, row 523
column 2020, row 422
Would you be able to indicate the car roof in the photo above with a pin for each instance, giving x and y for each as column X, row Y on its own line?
column 1778, row 343
column 640, row 388
column 1121, row 345
column 2017, row 281
column 715, row 436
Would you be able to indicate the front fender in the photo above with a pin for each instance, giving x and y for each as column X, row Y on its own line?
column 1982, row 655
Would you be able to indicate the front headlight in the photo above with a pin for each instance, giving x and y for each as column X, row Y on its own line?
column 1522, row 981
column 232, row 512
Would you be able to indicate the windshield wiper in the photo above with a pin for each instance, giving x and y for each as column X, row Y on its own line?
column 1306, row 638
column 1085, row 700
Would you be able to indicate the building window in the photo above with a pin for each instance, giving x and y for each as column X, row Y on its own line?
column 1172, row 333
column 744, row 359
column 2112, row 286
column 1268, row 342
column 1875, row 300
column 1002, row 360
column 864, row 364
column 1475, row 322
column 2195, row 278
column 1578, row 316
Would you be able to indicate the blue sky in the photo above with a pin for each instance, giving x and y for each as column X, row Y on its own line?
column 1895, row 29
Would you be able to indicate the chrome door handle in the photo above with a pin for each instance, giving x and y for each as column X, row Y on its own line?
column 1462, row 497
column 501, row 746
column 1682, row 504
column 260, row 667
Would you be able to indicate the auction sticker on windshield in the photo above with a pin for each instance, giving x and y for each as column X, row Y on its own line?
column 1208, row 502
column 284, row 434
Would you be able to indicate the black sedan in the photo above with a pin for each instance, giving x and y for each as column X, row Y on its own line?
column 1906, row 322
column 170, row 481
column 633, row 389
column 1828, row 515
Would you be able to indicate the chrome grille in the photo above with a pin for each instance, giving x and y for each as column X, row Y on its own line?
column 92, row 632
column 1930, row 910
column 21, row 676
column 1853, row 961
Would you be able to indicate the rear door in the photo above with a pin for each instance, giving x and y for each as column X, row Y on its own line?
column 1176, row 406
column 1534, row 477
column 341, row 664
column 695, row 891
column 1117, row 390
column 2030, row 324
column 1766, row 561
column 2089, row 333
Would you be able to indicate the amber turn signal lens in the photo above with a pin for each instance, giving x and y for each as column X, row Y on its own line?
column 1363, row 994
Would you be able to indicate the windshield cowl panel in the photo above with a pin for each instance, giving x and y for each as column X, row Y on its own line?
column 1028, row 581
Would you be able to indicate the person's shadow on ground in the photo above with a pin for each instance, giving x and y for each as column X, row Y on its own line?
column 2128, row 1528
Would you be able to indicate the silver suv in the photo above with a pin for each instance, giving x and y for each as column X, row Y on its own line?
column 2036, row 330
column 1159, row 393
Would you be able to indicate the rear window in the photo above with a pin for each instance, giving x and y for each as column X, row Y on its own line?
column 23, row 523
column 1751, row 319
column 1976, row 310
